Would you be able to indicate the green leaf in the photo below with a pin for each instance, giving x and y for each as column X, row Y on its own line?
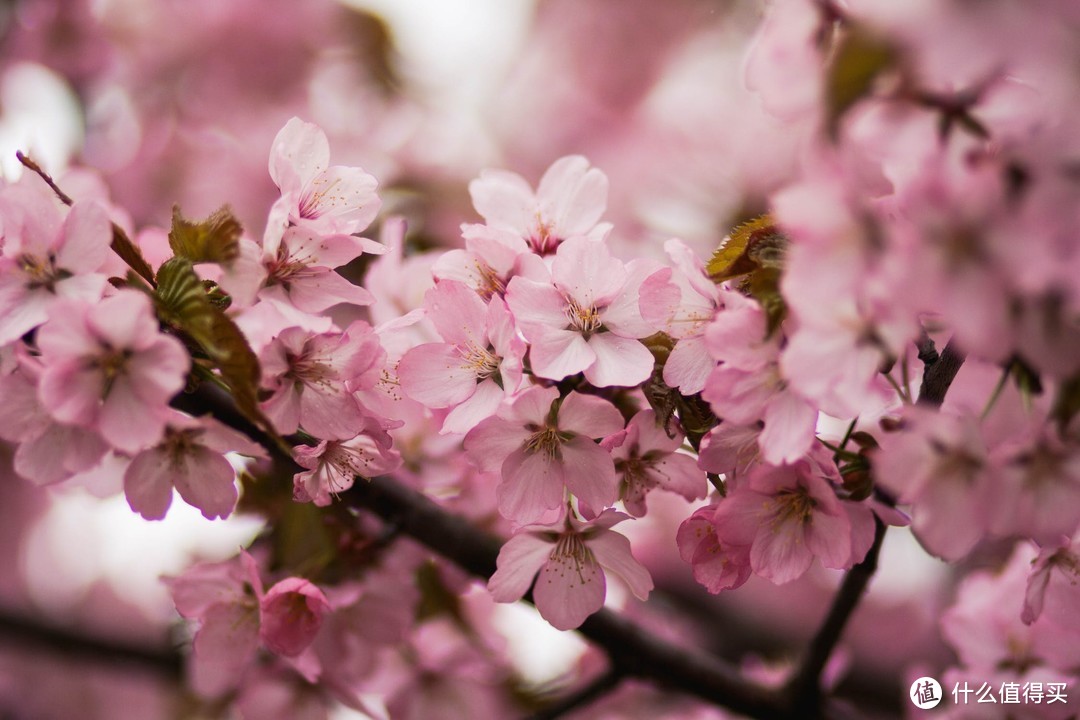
column 183, row 303
column 215, row 239
column 861, row 58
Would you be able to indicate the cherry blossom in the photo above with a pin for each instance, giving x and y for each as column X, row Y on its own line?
column 312, row 379
column 646, row 458
column 570, row 567
column 568, row 203
column 325, row 199
column 47, row 255
column 333, row 465
column 477, row 365
column 788, row 515
column 190, row 457
column 680, row 301
column 543, row 446
column 585, row 319
column 108, row 367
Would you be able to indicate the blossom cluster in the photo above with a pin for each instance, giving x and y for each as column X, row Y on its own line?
column 784, row 387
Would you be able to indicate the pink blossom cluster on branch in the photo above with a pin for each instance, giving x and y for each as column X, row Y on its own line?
column 543, row 387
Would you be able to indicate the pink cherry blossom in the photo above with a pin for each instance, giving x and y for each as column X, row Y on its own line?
column 939, row 465
column 300, row 272
column 716, row 565
column 333, row 465
column 223, row 598
column 748, row 387
column 47, row 255
column 586, row 318
column 312, row 379
column 646, row 459
column 291, row 613
column 788, row 515
column 48, row 451
column 1053, row 586
column 477, row 366
column 190, row 458
column 680, row 301
column 543, row 446
column 572, row 562
column 325, row 199
column 109, row 368
column 568, row 203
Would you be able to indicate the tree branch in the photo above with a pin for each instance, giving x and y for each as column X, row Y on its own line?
column 633, row 651
column 938, row 376
column 32, row 633
column 805, row 685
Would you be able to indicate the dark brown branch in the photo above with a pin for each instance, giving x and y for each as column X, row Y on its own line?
column 581, row 697
column 633, row 650
column 32, row 634
column 939, row 376
column 805, row 684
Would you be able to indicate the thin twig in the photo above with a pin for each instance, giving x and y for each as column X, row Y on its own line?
column 581, row 697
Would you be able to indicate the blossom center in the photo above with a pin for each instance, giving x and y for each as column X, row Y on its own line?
column 307, row 370
column 543, row 241
column 545, row 441
column 480, row 361
column 571, row 554
column 794, row 505
column 318, row 200
column 584, row 319
column 41, row 272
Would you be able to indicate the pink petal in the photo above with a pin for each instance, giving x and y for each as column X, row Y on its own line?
column 125, row 320
column 790, row 423
column 537, row 306
column 573, row 195
column 556, row 354
column 520, row 558
column 612, row 551
column 148, row 483
column 71, row 392
column 206, row 480
column 589, row 472
column 436, row 375
column 569, row 589
column 340, row 199
column 291, row 614
column 483, row 404
column 86, row 236
column 492, row 441
column 504, row 199
column 224, row 647
column 126, row 421
column 688, row 366
column 320, row 290
column 533, row 484
column 589, row 416
column 299, row 152
column 619, row 362
column 457, row 312
column 585, row 271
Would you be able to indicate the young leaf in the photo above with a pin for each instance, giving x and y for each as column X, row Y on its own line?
column 183, row 303
column 216, row 239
